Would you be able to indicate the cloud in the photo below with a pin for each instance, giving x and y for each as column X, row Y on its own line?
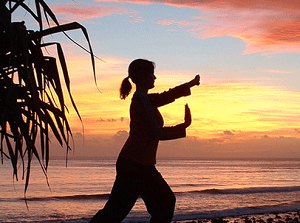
column 259, row 147
column 264, row 25
column 120, row 136
column 270, row 29
column 81, row 12
column 264, row 146
column 260, row 30
column 110, row 120
column 227, row 132
column 232, row 4
column 177, row 23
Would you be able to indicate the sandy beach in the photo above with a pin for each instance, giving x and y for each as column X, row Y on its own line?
column 288, row 217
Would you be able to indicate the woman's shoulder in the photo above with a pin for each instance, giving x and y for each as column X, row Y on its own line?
column 140, row 98
column 137, row 96
column 146, row 99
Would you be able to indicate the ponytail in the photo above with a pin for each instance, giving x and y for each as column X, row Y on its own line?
column 125, row 88
column 137, row 70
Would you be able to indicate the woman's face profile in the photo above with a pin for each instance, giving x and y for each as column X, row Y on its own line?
column 147, row 80
column 150, row 80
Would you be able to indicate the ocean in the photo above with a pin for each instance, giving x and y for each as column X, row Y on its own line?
column 204, row 188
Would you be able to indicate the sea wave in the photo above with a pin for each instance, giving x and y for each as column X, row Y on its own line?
column 105, row 196
column 250, row 190
column 78, row 197
column 235, row 212
column 242, row 211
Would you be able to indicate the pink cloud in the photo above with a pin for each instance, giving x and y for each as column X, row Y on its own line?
column 237, row 4
column 81, row 12
column 180, row 24
column 262, row 30
column 264, row 25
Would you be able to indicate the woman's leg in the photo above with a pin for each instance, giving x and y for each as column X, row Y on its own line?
column 121, row 200
column 158, row 197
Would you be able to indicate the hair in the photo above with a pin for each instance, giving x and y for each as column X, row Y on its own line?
column 125, row 88
column 137, row 69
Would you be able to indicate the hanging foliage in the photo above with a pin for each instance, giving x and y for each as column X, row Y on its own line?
column 32, row 103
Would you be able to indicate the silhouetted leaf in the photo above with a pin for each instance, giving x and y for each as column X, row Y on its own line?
column 67, row 27
column 31, row 96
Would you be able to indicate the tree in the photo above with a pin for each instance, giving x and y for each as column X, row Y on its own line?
column 32, row 103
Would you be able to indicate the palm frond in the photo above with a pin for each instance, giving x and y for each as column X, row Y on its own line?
column 32, row 103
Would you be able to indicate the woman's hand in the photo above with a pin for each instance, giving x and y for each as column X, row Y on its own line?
column 187, row 116
column 195, row 81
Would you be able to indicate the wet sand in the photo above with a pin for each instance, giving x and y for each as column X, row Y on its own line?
column 289, row 217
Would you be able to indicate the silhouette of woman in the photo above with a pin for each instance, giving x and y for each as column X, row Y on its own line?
column 136, row 171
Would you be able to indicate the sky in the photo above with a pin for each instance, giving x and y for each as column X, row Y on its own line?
column 246, row 52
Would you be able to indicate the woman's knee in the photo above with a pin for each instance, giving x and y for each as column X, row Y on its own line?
column 171, row 200
column 169, row 197
column 171, row 203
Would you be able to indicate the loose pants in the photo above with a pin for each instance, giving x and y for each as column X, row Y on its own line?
column 134, row 180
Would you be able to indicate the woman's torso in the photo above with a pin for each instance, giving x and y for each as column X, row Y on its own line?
column 141, row 145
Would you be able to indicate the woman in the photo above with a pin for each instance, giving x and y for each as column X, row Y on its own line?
column 136, row 171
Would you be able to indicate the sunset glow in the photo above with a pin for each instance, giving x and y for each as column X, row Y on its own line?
column 247, row 54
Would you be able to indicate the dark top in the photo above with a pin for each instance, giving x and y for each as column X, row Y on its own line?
column 147, row 125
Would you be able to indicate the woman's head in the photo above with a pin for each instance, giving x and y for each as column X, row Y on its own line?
column 138, row 70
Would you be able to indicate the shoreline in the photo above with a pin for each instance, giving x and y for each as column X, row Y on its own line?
column 274, row 217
